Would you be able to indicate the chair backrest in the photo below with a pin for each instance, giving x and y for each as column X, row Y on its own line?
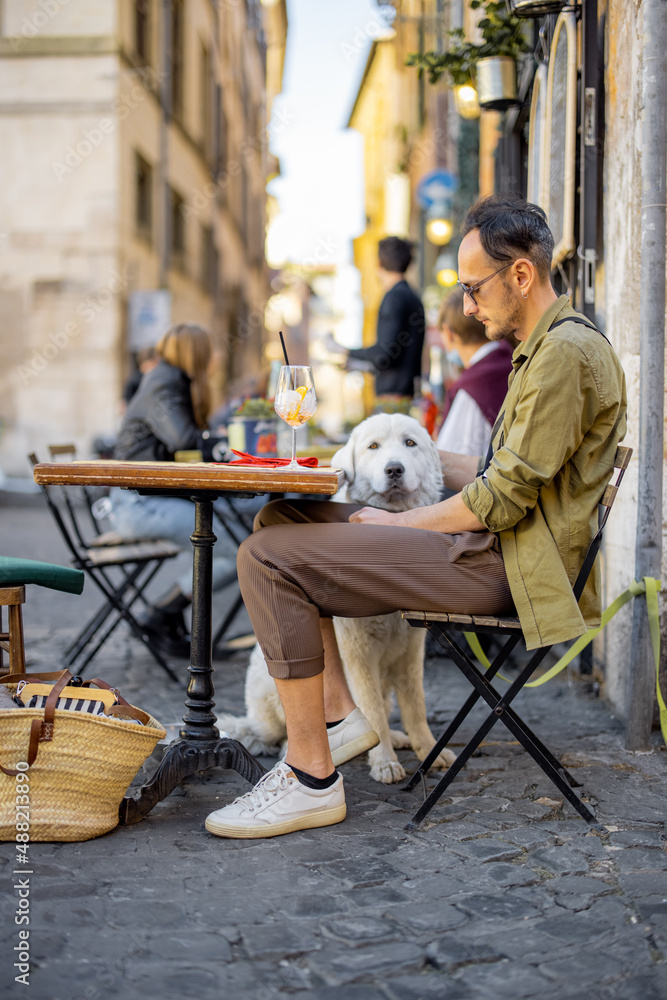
column 74, row 495
column 67, row 451
column 621, row 462
column 65, row 515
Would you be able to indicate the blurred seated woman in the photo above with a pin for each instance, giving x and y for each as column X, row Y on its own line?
column 473, row 400
column 167, row 414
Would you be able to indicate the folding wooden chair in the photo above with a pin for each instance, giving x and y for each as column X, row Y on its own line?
column 443, row 627
column 120, row 570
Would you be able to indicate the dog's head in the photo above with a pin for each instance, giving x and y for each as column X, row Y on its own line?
column 390, row 462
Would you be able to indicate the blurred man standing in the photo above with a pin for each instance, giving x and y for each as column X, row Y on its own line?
column 395, row 357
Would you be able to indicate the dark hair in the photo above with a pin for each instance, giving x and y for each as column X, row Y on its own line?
column 510, row 227
column 469, row 329
column 395, row 254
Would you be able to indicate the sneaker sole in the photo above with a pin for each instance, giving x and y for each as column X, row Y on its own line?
column 326, row 817
column 362, row 743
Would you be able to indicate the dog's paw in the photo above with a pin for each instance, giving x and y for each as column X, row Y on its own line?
column 444, row 760
column 387, row 771
column 399, row 740
column 239, row 729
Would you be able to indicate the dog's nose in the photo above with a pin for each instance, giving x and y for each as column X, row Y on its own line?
column 394, row 471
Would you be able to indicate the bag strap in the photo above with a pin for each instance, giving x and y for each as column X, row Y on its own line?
column 125, row 711
column 123, row 707
column 582, row 322
column 53, row 676
column 41, row 730
column 560, row 322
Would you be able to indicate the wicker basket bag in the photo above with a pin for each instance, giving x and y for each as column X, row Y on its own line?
column 81, row 764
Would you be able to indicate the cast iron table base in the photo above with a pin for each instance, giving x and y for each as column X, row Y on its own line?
column 200, row 746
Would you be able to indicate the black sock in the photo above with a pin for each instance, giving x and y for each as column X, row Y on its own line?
column 330, row 725
column 311, row 782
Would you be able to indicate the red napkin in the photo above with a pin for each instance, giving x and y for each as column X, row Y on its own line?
column 246, row 459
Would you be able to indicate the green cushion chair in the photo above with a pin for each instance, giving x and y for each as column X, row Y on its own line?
column 14, row 575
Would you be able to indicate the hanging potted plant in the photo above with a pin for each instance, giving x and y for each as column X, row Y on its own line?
column 491, row 66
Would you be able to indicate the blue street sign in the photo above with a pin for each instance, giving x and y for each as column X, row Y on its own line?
column 437, row 186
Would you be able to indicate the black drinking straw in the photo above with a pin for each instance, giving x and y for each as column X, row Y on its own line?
column 282, row 341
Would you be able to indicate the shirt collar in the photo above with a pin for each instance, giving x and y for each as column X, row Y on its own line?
column 482, row 352
column 528, row 347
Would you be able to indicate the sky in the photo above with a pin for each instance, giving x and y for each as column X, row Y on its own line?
column 320, row 187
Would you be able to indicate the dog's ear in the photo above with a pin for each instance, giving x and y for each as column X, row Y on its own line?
column 344, row 458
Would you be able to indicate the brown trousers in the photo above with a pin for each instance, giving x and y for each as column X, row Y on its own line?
column 306, row 561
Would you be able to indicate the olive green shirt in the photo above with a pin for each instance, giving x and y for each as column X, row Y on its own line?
column 553, row 454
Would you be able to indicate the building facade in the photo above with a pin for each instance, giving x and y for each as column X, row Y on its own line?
column 135, row 160
column 592, row 189
column 571, row 141
column 409, row 129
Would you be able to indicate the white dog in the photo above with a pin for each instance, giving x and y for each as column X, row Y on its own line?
column 389, row 462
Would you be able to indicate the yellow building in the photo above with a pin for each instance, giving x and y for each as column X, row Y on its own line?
column 409, row 129
column 135, row 157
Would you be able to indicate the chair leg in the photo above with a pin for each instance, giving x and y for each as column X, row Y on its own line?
column 558, row 775
column 16, row 640
column 501, row 704
column 114, row 597
column 458, row 719
column 451, row 773
column 88, row 632
column 501, row 711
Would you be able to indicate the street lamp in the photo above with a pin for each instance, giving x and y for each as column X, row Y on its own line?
column 439, row 226
column 467, row 101
column 439, row 231
column 445, row 270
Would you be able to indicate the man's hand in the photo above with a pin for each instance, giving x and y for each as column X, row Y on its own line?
column 372, row 515
column 450, row 516
column 333, row 347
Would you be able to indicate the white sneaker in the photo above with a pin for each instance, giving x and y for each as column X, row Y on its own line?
column 351, row 737
column 279, row 803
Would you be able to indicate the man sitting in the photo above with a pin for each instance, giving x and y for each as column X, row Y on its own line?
column 511, row 541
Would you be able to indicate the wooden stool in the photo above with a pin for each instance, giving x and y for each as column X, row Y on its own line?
column 12, row 641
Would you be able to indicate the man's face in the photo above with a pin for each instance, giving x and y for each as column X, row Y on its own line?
column 498, row 303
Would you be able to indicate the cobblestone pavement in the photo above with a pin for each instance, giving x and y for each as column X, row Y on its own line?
column 505, row 893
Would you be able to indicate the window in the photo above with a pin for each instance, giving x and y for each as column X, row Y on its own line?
column 142, row 30
column 205, row 89
column 220, row 133
column 209, row 261
column 245, row 198
column 143, row 215
column 177, row 48
column 177, row 229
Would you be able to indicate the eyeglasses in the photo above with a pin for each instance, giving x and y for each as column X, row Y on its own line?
column 470, row 290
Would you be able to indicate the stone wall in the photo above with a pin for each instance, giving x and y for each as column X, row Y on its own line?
column 620, row 304
column 59, row 274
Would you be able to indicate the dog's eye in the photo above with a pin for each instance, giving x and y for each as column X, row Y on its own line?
column 373, row 446
column 410, row 443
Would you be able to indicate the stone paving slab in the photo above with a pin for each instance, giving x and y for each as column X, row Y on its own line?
column 503, row 892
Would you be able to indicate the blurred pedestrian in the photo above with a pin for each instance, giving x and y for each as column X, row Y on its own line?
column 396, row 355
column 168, row 413
column 473, row 400
column 146, row 360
